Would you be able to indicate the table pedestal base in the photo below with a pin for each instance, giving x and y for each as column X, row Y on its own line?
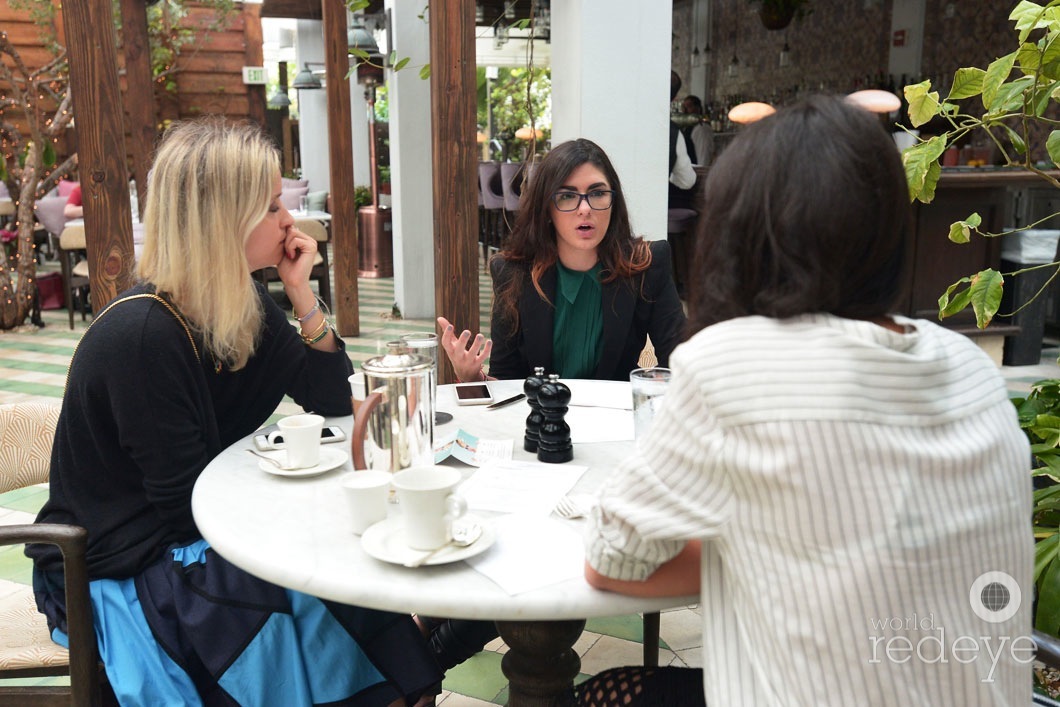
column 540, row 663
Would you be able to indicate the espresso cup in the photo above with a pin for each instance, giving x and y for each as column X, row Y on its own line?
column 301, row 439
column 428, row 505
column 366, row 496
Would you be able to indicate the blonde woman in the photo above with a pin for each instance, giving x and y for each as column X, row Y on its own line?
column 183, row 365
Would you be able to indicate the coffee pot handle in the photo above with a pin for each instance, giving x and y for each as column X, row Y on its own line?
column 360, row 428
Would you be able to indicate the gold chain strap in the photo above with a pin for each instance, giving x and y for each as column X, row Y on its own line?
column 143, row 295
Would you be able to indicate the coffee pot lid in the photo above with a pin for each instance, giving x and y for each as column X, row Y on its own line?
column 397, row 361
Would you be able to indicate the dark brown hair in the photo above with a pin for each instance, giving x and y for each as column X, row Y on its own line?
column 806, row 211
column 533, row 237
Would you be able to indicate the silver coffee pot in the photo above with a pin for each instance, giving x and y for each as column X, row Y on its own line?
column 394, row 426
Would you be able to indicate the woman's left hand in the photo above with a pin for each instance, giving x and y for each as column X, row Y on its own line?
column 299, row 250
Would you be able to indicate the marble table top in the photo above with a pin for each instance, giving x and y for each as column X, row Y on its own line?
column 296, row 532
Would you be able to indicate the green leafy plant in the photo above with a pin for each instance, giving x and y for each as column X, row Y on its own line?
column 1039, row 416
column 1010, row 103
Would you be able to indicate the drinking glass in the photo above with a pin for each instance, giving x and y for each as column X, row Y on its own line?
column 649, row 387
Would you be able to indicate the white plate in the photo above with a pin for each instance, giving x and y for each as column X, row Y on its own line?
column 329, row 459
column 386, row 541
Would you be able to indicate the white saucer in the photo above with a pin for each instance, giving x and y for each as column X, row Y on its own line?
column 329, row 459
column 386, row 541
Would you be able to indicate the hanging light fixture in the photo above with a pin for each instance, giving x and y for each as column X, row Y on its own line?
column 696, row 57
column 509, row 10
column 500, row 35
column 305, row 80
column 734, row 65
column 785, row 55
column 480, row 13
column 358, row 37
column 280, row 99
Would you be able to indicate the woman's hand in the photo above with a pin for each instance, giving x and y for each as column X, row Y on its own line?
column 467, row 359
column 299, row 250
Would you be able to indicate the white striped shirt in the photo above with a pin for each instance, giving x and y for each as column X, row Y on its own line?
column 851, row 484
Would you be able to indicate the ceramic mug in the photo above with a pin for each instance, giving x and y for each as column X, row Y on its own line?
column 301, row 439
column 366, row 496
column 428, row 505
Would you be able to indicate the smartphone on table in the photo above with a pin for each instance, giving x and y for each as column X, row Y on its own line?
column 329, row 433
column 473, row 394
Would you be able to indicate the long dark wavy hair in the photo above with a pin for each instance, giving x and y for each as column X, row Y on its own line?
column 806, row 211
column 533, row 237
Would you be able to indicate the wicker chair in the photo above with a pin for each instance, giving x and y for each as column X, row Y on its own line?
column 26, row 648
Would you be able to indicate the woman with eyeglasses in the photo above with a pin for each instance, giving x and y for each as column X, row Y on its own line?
column 574, row 290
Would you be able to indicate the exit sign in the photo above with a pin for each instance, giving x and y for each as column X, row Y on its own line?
column 255, row 75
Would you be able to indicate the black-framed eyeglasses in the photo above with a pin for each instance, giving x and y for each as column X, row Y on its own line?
column 599, row 200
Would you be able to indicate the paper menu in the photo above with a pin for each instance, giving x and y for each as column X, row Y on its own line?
column 520, row 487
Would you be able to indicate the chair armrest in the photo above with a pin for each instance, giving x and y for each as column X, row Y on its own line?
column 72, row 541
column 1048, row 648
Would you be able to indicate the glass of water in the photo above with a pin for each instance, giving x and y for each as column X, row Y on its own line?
column 649, row 387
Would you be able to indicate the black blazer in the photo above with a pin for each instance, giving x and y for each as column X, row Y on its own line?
column 646, row 305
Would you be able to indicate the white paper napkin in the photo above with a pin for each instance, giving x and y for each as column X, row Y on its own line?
column 531, row 552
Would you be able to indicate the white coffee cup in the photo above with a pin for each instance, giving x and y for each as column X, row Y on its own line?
column 358, row 390
column 366, row 496
column 301, row 439
column 428, row 505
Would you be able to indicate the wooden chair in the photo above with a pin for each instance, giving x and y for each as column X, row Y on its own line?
column 321, row 272
column 74, row 270
column 26, row 648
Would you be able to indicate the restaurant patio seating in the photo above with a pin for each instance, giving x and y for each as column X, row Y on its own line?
column 74, row 270
column 26, row 648
column 490, row 184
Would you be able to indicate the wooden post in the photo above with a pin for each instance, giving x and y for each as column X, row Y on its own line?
column 101, row 143
column 340, row 148
column 254, row 56
column 139, row 93
column 455, row 163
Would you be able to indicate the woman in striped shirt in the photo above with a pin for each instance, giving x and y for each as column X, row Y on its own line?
column 847, row 489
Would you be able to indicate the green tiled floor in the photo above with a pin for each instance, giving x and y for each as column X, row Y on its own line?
column 33, row 365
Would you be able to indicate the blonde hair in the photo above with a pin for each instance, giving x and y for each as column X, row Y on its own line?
column 211, row 184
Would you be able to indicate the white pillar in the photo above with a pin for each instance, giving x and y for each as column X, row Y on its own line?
column 611, row 84
column 312, row 109
column 410, row 164
column 313, row 116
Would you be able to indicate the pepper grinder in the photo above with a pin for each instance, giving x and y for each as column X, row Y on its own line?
column 554, row 444
column 533, row 421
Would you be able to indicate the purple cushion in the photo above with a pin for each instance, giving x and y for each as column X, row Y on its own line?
column 66, row 186
column 289, row 197
column 295, row 183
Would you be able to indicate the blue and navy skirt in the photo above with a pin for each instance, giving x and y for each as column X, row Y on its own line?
column 193, row 629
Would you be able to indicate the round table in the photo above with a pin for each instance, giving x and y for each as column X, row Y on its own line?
column 296, row 533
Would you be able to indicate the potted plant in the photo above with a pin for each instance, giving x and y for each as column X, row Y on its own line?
column 778, row 14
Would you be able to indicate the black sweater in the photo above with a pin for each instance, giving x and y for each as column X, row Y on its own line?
column 141, row 418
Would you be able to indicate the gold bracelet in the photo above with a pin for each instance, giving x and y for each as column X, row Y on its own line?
column 327, row 328
column 317, row 334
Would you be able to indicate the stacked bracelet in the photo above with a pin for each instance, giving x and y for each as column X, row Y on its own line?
column 317, row 335
column 310, row 313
